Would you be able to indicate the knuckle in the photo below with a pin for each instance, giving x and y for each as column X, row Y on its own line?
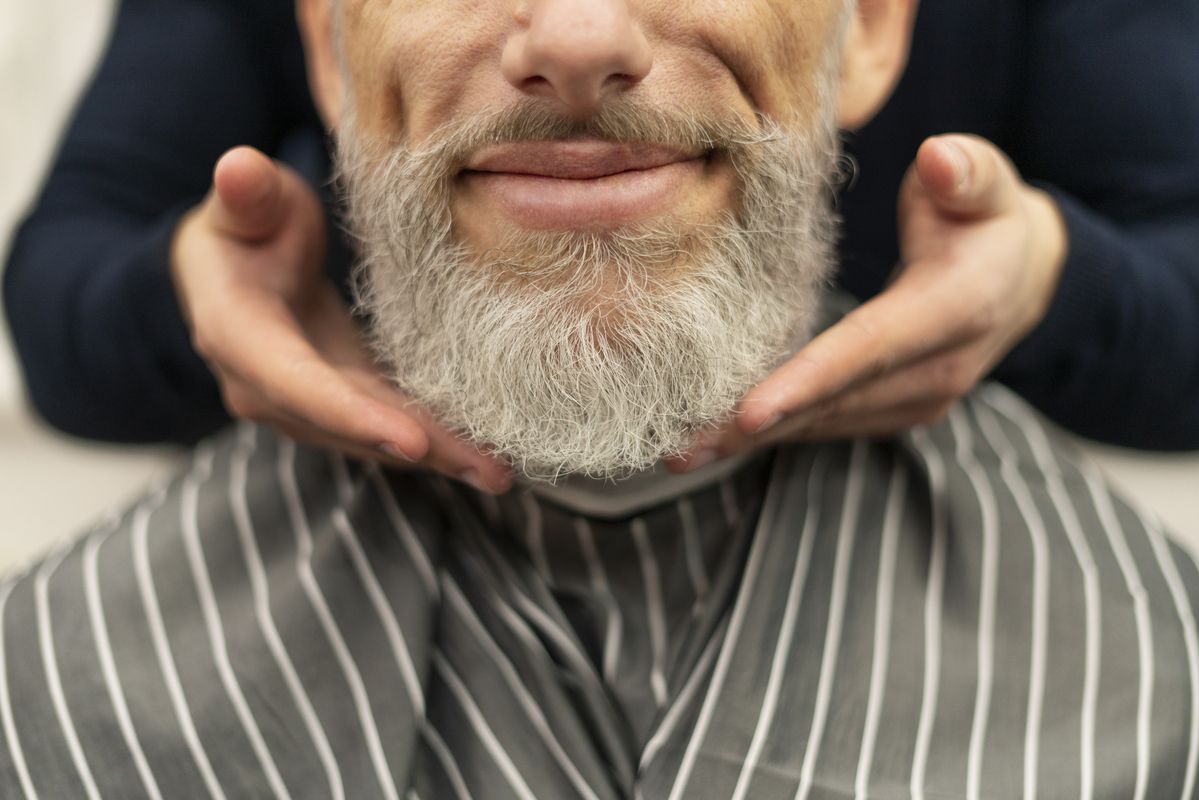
column 809, row 361
column 282, row 386
column 272, row 395
column 970, row 311
column 880, row 361
column 833, row 408
column 243, row 405
column 960, row 386
column 987, row 316
column 876, row 368
column 203, row 343
column 862, row 327
column 979, row 321
column 956, row 377
column 934, row 414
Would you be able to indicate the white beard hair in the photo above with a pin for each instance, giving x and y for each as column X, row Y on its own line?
column 604, row 352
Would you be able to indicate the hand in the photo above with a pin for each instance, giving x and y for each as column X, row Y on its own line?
column 981, row 253
column 248, row 267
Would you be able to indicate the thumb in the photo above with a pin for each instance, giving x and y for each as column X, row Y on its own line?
column 967, row 176
column 247, row 201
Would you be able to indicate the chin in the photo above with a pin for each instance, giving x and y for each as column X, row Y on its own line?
column 591, row 352
column 597, row 366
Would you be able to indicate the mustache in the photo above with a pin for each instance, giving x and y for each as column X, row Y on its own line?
column 624, row 119
column 428, row 169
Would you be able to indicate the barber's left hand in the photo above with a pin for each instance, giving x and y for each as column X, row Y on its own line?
column 981, row 253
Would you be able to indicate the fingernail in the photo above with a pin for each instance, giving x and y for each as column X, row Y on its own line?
column 393, row 451
column 770, row 422
column 505, row 485
column 961, row 164
column 675, row 465
column 473, row 478
column 701, row 459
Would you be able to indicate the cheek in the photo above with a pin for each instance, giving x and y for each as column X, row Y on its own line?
column 418, row 63
column 416, row 60
column 774, row 48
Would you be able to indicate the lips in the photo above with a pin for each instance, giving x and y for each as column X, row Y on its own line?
column 575, row 160
column 580, row 184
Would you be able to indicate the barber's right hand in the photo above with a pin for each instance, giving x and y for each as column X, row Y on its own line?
column 248, row 267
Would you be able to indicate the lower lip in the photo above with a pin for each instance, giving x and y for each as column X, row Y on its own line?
column 539, row 202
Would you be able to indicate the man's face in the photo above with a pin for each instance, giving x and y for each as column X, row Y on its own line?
column 588, row 226
column 416, row 66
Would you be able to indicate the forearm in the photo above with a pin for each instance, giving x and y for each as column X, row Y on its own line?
column 100, row 336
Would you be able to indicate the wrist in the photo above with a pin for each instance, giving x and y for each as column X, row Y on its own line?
column 181, row 243
column 1048, row 248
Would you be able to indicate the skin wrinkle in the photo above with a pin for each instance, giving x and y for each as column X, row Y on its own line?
column 448, row 53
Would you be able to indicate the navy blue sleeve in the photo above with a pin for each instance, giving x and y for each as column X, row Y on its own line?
column 87, row 291
column 1110, row 127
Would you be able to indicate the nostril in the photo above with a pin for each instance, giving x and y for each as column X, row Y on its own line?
column 575, row 51
column 534, row 82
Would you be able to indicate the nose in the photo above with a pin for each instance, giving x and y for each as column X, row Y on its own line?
column 575, row 51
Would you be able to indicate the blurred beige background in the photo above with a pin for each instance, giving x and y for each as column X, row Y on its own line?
column 50, row 486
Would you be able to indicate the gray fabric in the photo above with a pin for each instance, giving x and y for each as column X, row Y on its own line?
column 958, row 613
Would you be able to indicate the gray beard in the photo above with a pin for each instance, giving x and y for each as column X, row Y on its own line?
column 590, row 353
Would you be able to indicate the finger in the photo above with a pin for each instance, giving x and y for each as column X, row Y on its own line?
column 905, row 323
column 941, row 378
column 251, row 390
column 878, row 422
column 709, row 446
column 294, row 378
column 306, row 434
column 248, row 201
column 447, row 454
column 477, row 470
column 881, row 424
column 454, row 457
column 245, row 402
column 967, row 176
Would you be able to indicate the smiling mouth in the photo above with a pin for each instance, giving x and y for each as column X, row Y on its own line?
column 581, row 184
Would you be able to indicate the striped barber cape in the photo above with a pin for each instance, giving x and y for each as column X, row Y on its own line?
column 964, row 611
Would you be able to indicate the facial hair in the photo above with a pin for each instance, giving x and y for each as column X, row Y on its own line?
column 594, row 353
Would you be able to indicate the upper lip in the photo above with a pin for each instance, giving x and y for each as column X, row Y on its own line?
column 575, row 159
